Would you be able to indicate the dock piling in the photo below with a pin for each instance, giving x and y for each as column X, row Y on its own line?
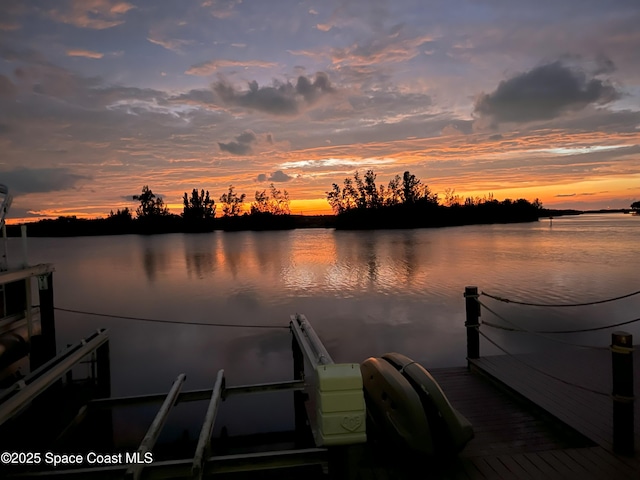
column 47, row 316
column 472, row 322
column 623, row 398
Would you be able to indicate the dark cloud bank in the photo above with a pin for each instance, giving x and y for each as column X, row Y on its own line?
column 277, row 176
column 278, row 99
column 544, row 93
column 39, row 180
column 242, row 145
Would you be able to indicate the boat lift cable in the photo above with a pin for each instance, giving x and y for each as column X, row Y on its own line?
column 176, row 322
column 523, row 330
column 581, row 387
column 533, row 304
column 578, row 330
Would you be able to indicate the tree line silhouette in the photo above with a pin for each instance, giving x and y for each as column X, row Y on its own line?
column 408, row 203
column 404, row 202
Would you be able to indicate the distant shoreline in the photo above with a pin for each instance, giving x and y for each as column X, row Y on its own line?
column 75, row 227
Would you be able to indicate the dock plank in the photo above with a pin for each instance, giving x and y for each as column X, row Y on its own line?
column 589, row 413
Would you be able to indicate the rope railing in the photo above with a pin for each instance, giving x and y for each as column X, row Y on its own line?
column 534, row 304
column 621, row 347
column 520, row 329
column 175, row 322
column 547, row 374
column 578, row 330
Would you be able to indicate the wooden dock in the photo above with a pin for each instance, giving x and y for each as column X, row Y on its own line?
column 513, row 440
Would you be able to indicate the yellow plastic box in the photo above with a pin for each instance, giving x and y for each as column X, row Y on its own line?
column 341, row 412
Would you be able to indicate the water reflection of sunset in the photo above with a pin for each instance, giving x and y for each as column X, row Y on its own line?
column 365, row 292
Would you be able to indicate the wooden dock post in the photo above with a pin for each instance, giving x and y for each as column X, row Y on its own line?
column 622, row 363
column 47, row 315
column 472, row 322
column 43, row 346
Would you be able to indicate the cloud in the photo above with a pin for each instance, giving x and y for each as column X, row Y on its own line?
column 173, row 44
column 9, row 27
column 221, row 9
column 93, row 14
column 458, row 127
column 543, row 93
column 209, row 68
column 84, row 53
column 604, row 65
column 242, row 145
column 311, row 91
column 39, row 180
column 394, row 47
column 199, row 97
column 277, row 176
column 279, row 99
column 7, row 88
column 563, row 195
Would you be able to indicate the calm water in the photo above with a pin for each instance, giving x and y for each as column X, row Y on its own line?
column 366, row 293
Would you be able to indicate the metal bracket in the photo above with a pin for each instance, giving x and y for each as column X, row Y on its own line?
column 43, row 283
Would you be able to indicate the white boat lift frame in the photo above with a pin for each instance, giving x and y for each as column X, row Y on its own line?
column 204, row 463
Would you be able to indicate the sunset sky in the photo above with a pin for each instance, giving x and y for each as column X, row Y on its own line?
column 519, row 98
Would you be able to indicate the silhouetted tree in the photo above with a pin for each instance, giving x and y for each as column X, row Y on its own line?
column 410, row 188
column 150, row 205
column 276, row 204
column 199, row 206
column 231, row 203
column 121, row 215
column 362, row 193
column 635, row 206
column 280, row 201
column 393, row 193
column 451, row 199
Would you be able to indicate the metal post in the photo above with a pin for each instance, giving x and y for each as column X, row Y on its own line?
column 623, row 399
column 204, row 441
column 299, row 411
column 472, row 322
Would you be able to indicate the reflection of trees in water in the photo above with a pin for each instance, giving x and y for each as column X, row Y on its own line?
column 199, row 255
column 368, row 256
column 357, row 258
column 232, row 248
column 269, row 247
column 155, row 259
column 389, row 259
column 409, row 257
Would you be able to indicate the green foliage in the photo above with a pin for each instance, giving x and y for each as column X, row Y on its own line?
column 231, row 203
column 150, row 205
